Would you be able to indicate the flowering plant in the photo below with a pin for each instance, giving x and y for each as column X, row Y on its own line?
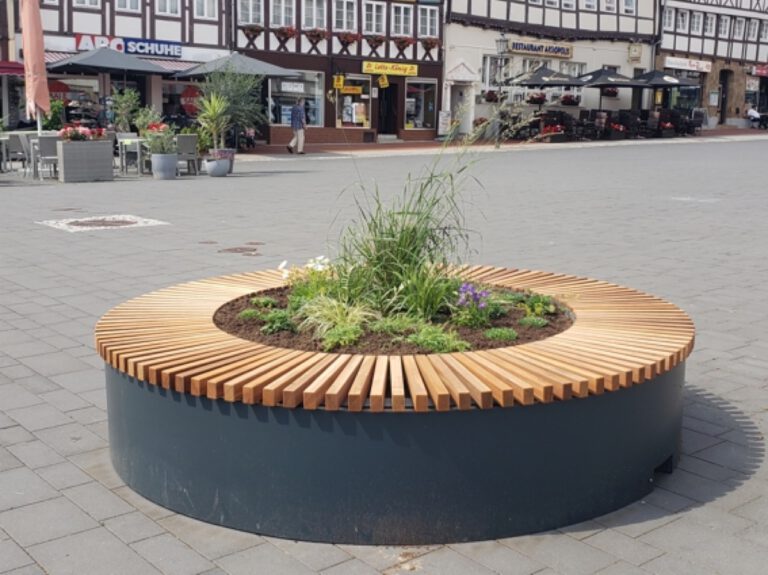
column 618, row 127
column 479, row 121
column 348, row 38
column 569, row 100
column 403, row 42
column 491, row 96
column 553, row 129
column 316, row 34
column 537, row 98
column 160, row 138
column 610, row 92
column 374, row 41
column 72, row 133
column 430, row 43
column 471, row 307
column 667, row 125
column 252, row 30
column 286, row 32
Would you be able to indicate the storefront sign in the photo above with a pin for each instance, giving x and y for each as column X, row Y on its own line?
column 338, row 81
column 391, row 68
column 138, row 46
column 351, row 90
column 761, row 70
column 294, row 87
column 189, row 98
column 753, row 84
column 686, row 64
column 542, row 49
column 383, row 81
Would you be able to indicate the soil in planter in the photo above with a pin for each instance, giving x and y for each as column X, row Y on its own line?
column 226, row 318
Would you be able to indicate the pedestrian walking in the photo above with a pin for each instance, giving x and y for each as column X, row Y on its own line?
column 298, row 123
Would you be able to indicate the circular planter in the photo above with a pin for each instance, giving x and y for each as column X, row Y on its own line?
column 217, row 168
column 389, row 449
column 164, row 166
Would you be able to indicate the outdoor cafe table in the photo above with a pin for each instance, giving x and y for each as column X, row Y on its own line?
column 125, row 145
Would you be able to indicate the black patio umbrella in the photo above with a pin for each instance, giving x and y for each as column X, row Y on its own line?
column 105, row 60
column 544, row 77
column 604, row 78
column 239, row 64
column 659, row 79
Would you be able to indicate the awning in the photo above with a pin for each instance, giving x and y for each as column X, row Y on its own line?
column 172, row 65
column 11, row 68
column 105, row 60
column 239, row 64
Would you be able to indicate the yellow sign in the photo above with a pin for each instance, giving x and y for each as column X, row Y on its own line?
column 338, row 81
column 391, row 68
column 351, row 90
column 383, row 81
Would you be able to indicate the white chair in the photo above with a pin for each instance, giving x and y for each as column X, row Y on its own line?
column 47, row 155
column 128, row 145
column 186, row 148
column 18, row 149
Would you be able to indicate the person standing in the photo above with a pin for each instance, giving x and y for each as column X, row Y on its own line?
column 298, row 123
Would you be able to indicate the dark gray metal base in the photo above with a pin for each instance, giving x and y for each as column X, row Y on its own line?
column 393, row 478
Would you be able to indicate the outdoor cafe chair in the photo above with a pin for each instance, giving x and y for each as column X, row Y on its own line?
column 18, row 149
column 129, row 147
column 47, row 154
column 186, row 148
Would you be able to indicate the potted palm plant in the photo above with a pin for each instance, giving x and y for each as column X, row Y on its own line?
column 162, row 147
column 214, row 118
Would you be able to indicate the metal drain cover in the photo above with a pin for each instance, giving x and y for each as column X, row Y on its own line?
column 101, row 223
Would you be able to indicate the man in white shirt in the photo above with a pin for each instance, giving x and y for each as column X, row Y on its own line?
column 753, row 116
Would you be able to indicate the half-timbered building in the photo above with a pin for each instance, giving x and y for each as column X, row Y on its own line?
column 722, row 45
column 572, row 36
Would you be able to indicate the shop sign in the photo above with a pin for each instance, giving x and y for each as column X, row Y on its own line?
column 189, row 98
column 338, row 82
column 753, row 84
column 542, row 49
column 686, row 64
column 137, row 46
column 761, row 70
column 351, row 90
column 383, row 81
column 293, row 87
column 391, row 68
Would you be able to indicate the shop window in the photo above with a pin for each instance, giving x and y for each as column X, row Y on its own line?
column 738, row 29
column 709, row 24
column 428, row 21
column 345, row 15
column 284, row 92
column 206, row 9
column 314, row 13
column 589, row 5
column 282, row 12
column 168, row 7
column 402, row 20
column 87, row 3
column 251, row 12
column 696, row 21
column 494, row 71
column 724, row 26
column 569, row 4
column 420, row 104
column 353, row 103
column 682, row 21
column 630, row 7
column 609, row 6
column 531, row 64
column 669, row 19
column 373, row 17
column 752, row 30
column 128, row 5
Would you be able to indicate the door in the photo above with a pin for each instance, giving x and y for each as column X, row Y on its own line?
column 461, row 111
column 725, row 76
column 388, row 109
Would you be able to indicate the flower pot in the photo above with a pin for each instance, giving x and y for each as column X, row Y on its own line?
column 85, row 161
column 164, row 166
column 617, row 135
column 217, row 168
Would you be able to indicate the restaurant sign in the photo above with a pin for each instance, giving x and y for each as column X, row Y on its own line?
column 686, row 64
column 542, row 49
column 390, row 68
column 761, row 70
column 137, row 46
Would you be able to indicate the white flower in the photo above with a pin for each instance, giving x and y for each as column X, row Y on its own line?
column 318, row 264
column 283, row 267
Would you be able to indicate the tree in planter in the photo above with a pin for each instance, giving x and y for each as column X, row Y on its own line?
column 125, row 105
column 214, row 118
column 144, row 117
column 55, row 118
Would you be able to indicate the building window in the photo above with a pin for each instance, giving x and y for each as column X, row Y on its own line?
column 534, row 2
column 88, row 3
column 428, row 21
column 696, row 21
column 589, row 5
column 630, row 7
column 552, row 3
column 764, row 31
column 345, row 16
column 609, row 6
column 54, row 2
column 738, row 29
column 250, row 12
column 283, row 93
column 709, row 24
column 569, row 4
column 282, row 13
column 373, row 17
column 206, row 9
column 127, row 5
column 420, row 103
column 575, row 69
column 724, row 26
column 682, row 21
column 752, row 30
column 494, row 71
column 353, row 102
column 669, row 20
column 314, row 13
column 402, row 20
column 168, row 7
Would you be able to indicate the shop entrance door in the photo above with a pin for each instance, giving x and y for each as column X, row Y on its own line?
column 388, row 109
column 725, row 77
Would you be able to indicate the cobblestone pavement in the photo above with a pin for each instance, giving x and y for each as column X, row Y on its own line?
column 684, row 220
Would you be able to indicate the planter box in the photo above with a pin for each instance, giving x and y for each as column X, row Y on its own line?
column 88, row 161
column 670, row 133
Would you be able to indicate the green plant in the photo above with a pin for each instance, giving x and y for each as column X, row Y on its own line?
column 55, row 118
column 145, row 117
column 501, row 334
column 395, row 324
column 161, row 138
column 125, row 105
column 533, row 321
column 214, row 117
column 435, row 339
column 263, row 301
column 341, row 335
column 204, row 141
column 537, row 305
column 424, row 292
column 242, row 93
column 471, row 309
column 323, row 313
column 277, row 320
column 249, row 314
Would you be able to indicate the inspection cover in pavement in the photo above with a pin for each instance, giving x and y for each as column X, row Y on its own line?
column 101, row 223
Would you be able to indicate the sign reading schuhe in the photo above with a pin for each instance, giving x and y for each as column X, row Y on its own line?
column 542, row 49
column 137, row 46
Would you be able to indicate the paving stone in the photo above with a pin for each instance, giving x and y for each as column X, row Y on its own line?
column 14, row 435
column 64, row 400
column 706, row 469
column 351, row 567
column 692, row 486
column 19, row 487
column 211, row 541
column 445, row 561
column 582, row 530
column 624, row 547
column 151, row 510
column 12, row 556
column 87, row 553
column 133, row 527
column 88, row 415
column 100, row 429
column 269, row 558
column 37, row 384
column 63, row 475
column 97, row 464
column 732, row 455
column 670, row 564
column 51, row 364
column 15, row 372
column 97, row 397
column 667, row 500
column 81, row 381
column 694, row 441
column 71, row 439
column 8, row 460
column 6, row 421
column 28, row 570
column 622, row 568
column 636, row 518
column 382, row 557
column 38, row 417
column 563, row 554
column 98, row 501
column 13, row 396
column 35, row 454
column 717, row 519
column 171, row 556
column 29, row 349
column 44, row 521
column 316, row 556
column 497, row 557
